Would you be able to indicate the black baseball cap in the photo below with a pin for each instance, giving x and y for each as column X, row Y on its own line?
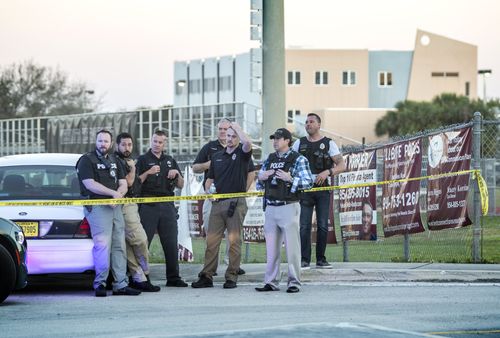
column 281, row 133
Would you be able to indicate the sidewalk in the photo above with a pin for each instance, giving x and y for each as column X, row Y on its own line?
column 357, row 272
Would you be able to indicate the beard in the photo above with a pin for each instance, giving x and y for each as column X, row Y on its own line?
column 126, row 154
column 103, row 151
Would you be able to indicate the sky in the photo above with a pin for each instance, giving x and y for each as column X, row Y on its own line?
column 125, row 49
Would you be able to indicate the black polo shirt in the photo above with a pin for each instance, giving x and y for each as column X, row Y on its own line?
column 229, row 171
column 206, row 154
column 157, row 185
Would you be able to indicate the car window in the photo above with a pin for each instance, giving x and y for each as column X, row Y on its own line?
column 38, row 182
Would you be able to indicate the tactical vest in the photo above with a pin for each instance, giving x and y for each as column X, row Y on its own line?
column 317, row 154
column 135, row 189
column 276, row 189
column 105, row 172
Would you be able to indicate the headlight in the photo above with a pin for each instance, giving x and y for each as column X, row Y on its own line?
column 20, row 237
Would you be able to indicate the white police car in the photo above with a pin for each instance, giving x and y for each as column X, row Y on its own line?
column 58, row 236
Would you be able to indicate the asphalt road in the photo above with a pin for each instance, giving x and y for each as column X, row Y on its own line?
column 64, row 306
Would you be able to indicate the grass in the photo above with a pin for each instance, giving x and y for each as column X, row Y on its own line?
column 447, row 246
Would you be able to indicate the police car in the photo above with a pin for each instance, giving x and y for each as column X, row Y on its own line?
column 58, row 236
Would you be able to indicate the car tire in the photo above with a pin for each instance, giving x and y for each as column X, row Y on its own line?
column 7, row 273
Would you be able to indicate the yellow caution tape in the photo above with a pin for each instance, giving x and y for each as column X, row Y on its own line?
column 114, row 201
column 483, row 191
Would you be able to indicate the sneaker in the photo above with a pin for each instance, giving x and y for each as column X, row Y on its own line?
column 266, row 288
column 145, row 286
column 323, row 265
column 304, row 265
column 126, row 291
column 203, row 282
column 241, row 271
column 292, row 289
column 100, row 291
column 178, row 283
column 229, row 284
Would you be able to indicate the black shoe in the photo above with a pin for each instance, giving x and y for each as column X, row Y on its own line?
column 203, row 282
column 145, row 286
column 304, row 265
column 292, row 289
column 126, row 291
column 178, row 283
column 100, row 291
column 229, row 284
column 323, row 265
column 241, row 271
column 267, row 287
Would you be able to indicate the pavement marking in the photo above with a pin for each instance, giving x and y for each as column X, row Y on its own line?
column 465, row 332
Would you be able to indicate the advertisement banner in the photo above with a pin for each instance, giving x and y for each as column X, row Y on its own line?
column 400, row 200
column 253, row 225
column 447, row 196
column 357, row 205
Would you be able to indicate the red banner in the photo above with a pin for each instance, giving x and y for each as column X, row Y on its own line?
column 400, row 200
column 357, row 205
column 447, row 196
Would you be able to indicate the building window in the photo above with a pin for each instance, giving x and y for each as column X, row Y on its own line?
column 348, row 78
column 209, row 85
column 179, row 87
column 291, row 115
column 194, row 86
column 467, row 88
column 443, row 74
column 293, row 77
column 385, row 79
column 225, row 83
column 321, row 78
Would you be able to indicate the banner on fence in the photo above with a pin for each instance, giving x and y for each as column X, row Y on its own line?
column 253, row 224
column 400, row 200
column 447, row 196
column 357, row 205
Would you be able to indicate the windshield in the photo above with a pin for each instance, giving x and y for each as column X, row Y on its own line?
column 39, row 182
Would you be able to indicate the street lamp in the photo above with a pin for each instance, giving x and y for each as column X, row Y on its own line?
column 485, row 73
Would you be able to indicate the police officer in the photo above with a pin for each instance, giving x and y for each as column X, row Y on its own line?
column 284, row 174
column 325, row 161
column 135, row 236
column 101, row 177
column 228, row 171
column 201, row 165
column 160, row 175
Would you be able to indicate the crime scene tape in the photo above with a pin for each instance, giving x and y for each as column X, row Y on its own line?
column 113, row 201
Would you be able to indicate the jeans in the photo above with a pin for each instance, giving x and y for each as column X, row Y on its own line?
column 320, row 200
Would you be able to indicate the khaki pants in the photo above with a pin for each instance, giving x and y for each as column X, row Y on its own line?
column 136, row 242
column 219, row 222
column 282, row 225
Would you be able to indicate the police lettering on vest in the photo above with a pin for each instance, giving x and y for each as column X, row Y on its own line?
column 276, row 189
column 105, row 172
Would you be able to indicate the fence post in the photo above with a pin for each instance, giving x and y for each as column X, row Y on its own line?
column 345, row 251
column 476, row 153
column 406, row 247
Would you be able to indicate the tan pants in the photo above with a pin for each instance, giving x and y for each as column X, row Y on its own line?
column 136, row 242
column 219, row 221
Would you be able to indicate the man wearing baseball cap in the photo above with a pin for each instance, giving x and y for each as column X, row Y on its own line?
column 283, row 176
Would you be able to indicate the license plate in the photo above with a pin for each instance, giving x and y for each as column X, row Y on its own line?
column 30, row 229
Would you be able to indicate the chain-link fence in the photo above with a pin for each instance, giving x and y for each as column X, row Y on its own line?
column 448, row 245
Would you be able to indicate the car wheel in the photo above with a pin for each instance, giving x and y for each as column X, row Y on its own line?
column 7, row 273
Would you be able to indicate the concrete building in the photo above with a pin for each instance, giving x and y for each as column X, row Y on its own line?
column 350, row 89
